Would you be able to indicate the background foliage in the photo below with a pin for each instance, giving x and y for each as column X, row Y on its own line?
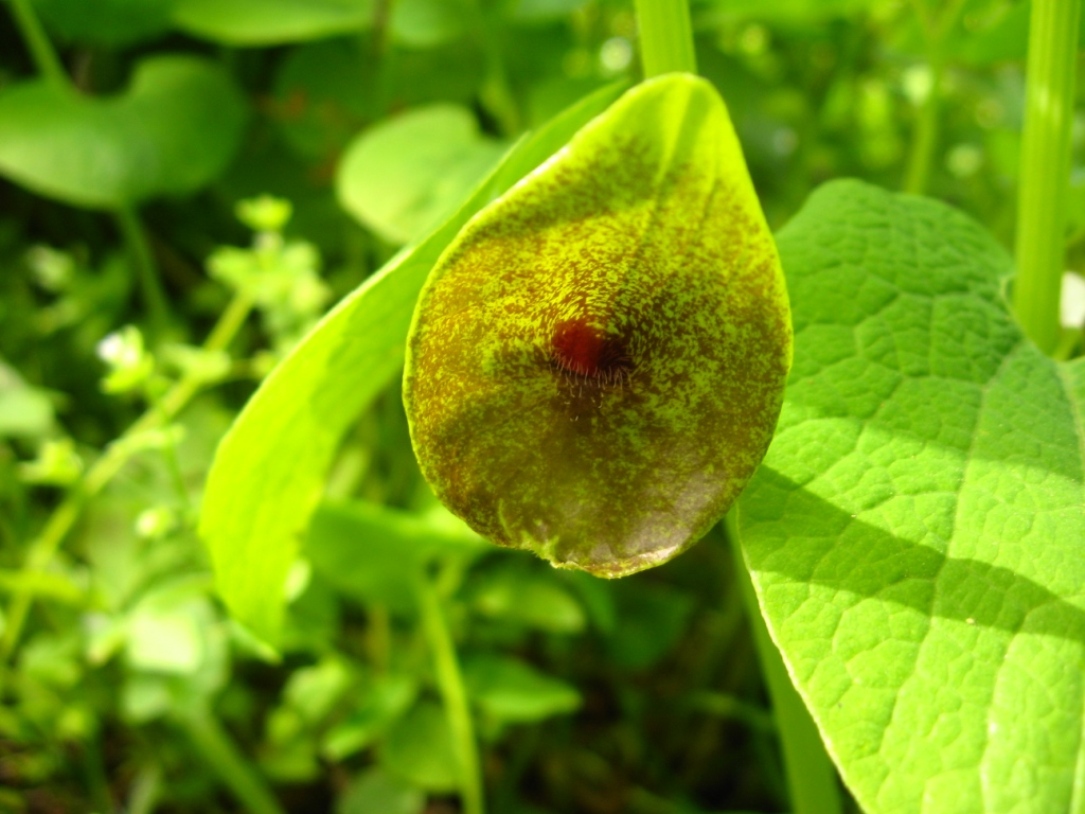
column 146, row 291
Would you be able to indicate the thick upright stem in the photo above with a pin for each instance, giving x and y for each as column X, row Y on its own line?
column 811, row 778
column 666, row 37
column 1045, row 168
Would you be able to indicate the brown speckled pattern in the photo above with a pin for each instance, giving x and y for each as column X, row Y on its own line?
column 646, row 230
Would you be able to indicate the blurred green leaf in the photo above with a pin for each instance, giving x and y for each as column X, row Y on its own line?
column 270, row 22
column 789, row 11
column 528, row 596
column 171, row 132
column 377, row 792
column 651, row 619
column 144, row 697
column 57, row 464
column 166, row 633
column 107, row 22
column 380, row 703
column 993, row 32
column 25, row 412
column 915, row 532
column 539, row 11
column 426, row 23
column 405, row 175
column 314, row 691
column 419, row 749
column 373, row 553
column 515, row 692
column 59, row 587
column 261, row 493
column 323, row 93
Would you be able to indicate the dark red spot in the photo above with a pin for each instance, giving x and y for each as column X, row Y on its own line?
column 588, row 351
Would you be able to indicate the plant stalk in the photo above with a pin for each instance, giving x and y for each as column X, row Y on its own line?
column 925, row 137
column 139, row 250
column 454, row 695
column 1045, row 168
column 226, row 760
column 936, row 28
column 37, row 42
column 666, row 37
column 811, row 777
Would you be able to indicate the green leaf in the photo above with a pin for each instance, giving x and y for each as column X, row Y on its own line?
column 268, row 472
column 426, row 23
column 915, row 533
column 513, row 594
column 271, row 22
column 515, row 692
column 375, row 792
column 106, row 22
column 323, row 93
column 404, row 176
column 375, row 553
column 380, row 703
column 171, row 132
column 419, row 749
column 596, row 364
column 795, row 12
column 652, row 619
column 25, row 411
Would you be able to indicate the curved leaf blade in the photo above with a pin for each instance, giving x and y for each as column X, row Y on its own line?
column 171, row 132
column 252, row 23
column 106, row 22
column 268, row 472
column 915, row 533
column 402, row 177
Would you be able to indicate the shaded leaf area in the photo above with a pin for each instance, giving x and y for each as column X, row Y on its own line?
column 172, row 131
column 260, row 494
column 597, row 362
column 915, row 533
column 107, row 22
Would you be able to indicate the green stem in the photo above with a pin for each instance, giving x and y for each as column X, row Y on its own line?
column 143, row 259
column 145, row 790
column 928, row 125
column 225, row 759
column 1045, row 168
column 925, row 138
column 666, row 37
column 41, row 50
column 811, row 778
column 454, row 694
column 64, row 517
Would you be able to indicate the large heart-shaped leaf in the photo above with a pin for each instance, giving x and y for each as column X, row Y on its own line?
column 597, row 363
column 917, row 532
column 171, row 132
column 268, row 472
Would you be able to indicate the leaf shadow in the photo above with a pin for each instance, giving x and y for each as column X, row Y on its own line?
column 873, row 563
